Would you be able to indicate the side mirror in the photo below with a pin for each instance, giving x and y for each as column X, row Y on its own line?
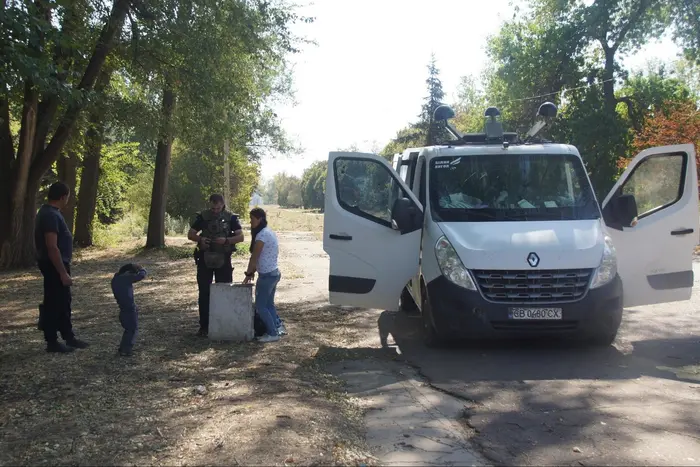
column 623, row 210
column 405, row 216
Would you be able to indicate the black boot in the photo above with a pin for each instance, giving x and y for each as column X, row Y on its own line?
column 40, row 324
column 77, row 343
column 57, row 347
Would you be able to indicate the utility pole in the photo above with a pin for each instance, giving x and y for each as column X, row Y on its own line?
column 227, row 178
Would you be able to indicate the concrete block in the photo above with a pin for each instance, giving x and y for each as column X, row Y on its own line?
column 231, row 312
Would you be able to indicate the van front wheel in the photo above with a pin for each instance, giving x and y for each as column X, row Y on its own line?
column 431, row 336
column 406, row 303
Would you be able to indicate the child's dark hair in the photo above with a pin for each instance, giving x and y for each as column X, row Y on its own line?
column 258, row 213
column 128, row 268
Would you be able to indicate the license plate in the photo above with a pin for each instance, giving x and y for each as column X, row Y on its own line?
column 534, row 313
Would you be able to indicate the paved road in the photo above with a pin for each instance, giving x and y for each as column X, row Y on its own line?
column 634, row 403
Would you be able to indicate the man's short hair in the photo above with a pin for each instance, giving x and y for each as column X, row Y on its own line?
column 57, row 191
column 216, row 198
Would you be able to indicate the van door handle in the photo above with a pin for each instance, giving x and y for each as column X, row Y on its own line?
column 682, row 231
column 340, row 237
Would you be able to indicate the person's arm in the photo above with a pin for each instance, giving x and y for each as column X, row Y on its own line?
column 236, row 231
column 51, row 239
column 253, row 263
column 137, row 276
column 195, row 228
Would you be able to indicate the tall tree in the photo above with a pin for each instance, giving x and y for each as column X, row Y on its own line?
column 424, row 131
column 41, row 61
column 434, row 133
column 89, row 179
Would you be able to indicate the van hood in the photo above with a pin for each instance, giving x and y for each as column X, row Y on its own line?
column 506, row 245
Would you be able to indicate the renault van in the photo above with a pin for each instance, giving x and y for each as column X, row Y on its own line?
column 488, row 235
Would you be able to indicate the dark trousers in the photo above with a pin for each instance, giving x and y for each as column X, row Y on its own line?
column 130, row 322
column 204, row 277
column 56, row 311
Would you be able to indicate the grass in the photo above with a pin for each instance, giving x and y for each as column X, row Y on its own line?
column 263, row 404
column 294, row 220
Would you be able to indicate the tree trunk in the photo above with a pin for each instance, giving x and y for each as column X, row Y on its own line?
column 608, row 80
column 89, row 180
column 68, row 173
column 18, row 245
column 90, row 176
column 10, row 250
column 7, row 157
column 156, row 216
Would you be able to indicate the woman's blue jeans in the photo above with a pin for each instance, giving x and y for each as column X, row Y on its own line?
column 265, row 289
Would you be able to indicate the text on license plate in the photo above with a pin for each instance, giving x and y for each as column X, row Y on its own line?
column 534, row 313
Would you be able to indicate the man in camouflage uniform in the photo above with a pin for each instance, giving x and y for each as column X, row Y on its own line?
column 216, row 231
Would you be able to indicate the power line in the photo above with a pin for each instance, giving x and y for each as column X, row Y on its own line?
column 562, row 91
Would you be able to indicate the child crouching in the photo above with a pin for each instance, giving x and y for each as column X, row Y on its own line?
column 123, row 290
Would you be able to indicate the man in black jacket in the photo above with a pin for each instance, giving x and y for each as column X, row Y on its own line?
column 216, row 232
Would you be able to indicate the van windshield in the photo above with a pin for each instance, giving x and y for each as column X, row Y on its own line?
column 510, row 187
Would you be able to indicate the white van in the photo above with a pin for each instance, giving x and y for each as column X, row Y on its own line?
column 493, row 237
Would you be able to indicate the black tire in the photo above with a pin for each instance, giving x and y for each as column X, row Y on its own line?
column 406, row 303
column 604, row 338
column 431, row 337
column 607, row 332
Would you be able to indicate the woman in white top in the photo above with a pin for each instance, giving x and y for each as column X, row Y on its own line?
column 264, row 251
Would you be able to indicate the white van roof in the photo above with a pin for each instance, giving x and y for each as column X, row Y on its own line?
column 431, row 152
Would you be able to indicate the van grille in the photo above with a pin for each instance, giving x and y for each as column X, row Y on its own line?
column 541, row 286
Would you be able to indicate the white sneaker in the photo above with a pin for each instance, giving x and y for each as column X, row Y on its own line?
column 267, row 338
column 282, row 331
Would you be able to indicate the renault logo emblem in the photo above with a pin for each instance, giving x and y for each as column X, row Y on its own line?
column 533, row 260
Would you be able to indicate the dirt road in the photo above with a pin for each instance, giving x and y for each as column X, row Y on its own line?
column 634, row 403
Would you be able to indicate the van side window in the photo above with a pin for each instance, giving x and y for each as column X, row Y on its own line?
column 422, row 181
column 657, row 182
column 367, row 189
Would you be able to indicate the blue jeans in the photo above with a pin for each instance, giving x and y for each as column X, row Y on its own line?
column 265, row 289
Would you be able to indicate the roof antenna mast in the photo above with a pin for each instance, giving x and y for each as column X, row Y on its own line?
column 442, row 114
column 545, row 115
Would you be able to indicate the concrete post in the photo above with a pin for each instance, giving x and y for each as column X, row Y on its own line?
column 231, row 312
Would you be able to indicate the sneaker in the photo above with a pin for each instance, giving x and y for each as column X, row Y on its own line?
column 57, row 347
column 77, row 343
column 267, row 338
column 125, row 353
column 282, row 330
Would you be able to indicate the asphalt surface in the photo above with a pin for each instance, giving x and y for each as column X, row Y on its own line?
column 634, row 403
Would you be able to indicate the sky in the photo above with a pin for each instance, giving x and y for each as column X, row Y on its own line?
column 364, row 79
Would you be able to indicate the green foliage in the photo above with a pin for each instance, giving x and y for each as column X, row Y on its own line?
column 686, row 19
column 288, row 189
column 313, row 185
column 268, row 191
column 124, row 179
column 650, row 92
column 470, row 106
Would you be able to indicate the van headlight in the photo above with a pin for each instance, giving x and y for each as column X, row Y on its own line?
column 451, row 266
column 608, row 265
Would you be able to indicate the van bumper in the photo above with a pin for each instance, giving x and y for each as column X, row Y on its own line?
column 459, row 313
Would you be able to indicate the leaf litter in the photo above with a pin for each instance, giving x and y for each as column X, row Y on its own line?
column 180, row 400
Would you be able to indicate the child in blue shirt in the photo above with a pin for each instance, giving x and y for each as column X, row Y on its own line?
column 123, row 290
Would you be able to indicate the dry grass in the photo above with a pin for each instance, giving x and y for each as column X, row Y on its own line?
column 265, row 404
column 294, row 220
